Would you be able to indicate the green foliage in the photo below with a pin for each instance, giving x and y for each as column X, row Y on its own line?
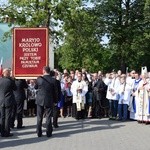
column 33, row 13
column 77, row 31
column 124, row 22
column 141, row 43
column 81, row 47
column 147, row 19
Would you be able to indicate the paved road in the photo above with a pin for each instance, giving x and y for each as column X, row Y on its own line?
column 90, row 134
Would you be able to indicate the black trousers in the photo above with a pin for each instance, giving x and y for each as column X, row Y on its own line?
column 48, row 112
column 78, row 114
column 5, row 120
column 20, row 113
column 74, row 110
column 96, row 110
column 13, row 115
column 81, row 114
column 55, row 115
column 17, row 111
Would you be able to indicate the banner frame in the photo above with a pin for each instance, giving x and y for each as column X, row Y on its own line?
column 29, row 76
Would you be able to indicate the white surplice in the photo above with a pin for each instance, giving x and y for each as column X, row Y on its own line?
column 79, row 98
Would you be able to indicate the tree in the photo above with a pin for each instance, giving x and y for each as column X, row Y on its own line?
column 37, row 13
column 77, row 30
column 141, row 42
column 123, row 21
column 147, row 20
column 81, row 47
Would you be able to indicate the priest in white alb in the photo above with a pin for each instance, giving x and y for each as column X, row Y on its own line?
column 144, row 100
column 79, row 89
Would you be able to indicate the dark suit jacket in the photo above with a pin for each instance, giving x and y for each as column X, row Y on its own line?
column 59, row 89
column 7, row 85
column 47, row 91
column 99, row 89
column 20, row 92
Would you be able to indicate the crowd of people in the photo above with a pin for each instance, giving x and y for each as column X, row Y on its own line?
column 76, row 94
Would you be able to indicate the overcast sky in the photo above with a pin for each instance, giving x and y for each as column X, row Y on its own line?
column 2, row 2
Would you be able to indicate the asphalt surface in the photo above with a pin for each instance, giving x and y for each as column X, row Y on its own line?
column 88, row 134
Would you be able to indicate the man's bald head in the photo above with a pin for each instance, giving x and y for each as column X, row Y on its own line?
column 6, row 72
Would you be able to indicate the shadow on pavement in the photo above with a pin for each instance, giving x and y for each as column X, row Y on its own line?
column 18, row 142
column 66, row 129
column 84, row 126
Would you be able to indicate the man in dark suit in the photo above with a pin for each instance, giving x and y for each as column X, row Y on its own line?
column 19, row 98
column 47, row 96
column 7, row 85
column 98, row 93
column 53, row 74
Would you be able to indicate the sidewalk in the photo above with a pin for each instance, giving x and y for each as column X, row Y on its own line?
column 89, row 134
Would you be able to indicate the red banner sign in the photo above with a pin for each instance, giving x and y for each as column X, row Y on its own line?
column 30, row 51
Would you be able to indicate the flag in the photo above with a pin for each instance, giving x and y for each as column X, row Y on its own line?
column 1, row 67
